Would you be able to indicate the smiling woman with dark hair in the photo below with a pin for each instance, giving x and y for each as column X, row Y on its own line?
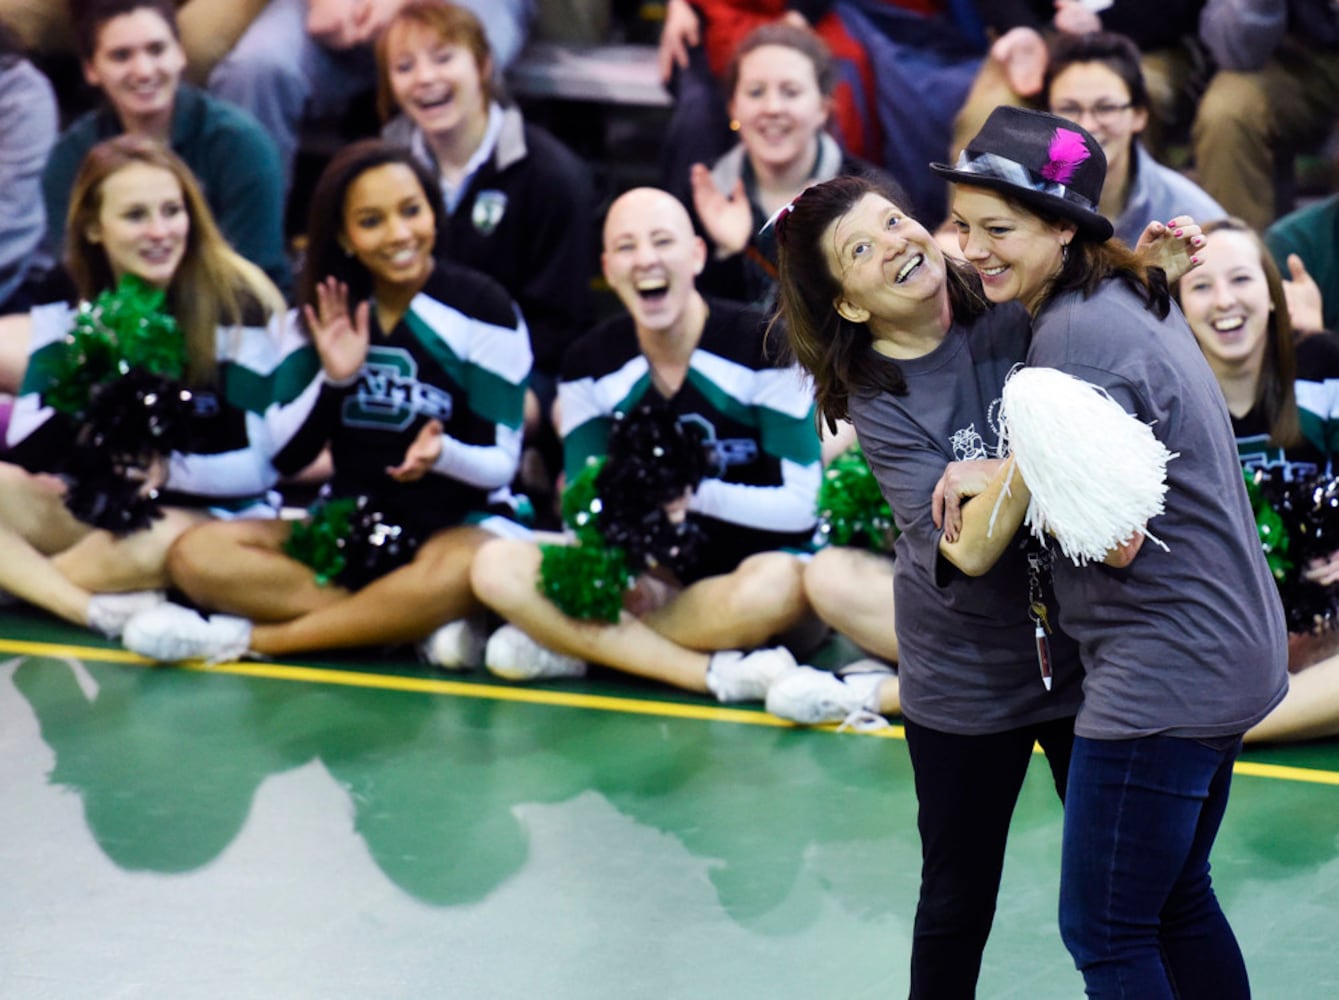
column 1096, row 80
column 1183, row 643
column 416, row 380
column 899, row 338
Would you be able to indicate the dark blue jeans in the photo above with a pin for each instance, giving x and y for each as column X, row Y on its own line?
column 966, row 790
column 1137, row 907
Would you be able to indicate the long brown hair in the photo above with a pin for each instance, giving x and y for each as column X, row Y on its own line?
column 838, row 353
column 213, row 286
column 1275, row 389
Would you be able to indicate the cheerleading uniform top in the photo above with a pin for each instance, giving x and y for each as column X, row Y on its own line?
column 1187, row 641
column 967, row 657
column 459, row 355
column 1317, row 393
column 756, row 415
column 232, row 429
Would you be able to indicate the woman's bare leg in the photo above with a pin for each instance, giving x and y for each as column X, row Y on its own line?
column 504, row 576
column 1310, row 709
column 240, row 568
column 761, row 599
column 102, row 563
column 852, row 590
column 403, row 606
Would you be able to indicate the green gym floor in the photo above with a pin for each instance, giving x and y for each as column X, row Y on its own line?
column 366, row 828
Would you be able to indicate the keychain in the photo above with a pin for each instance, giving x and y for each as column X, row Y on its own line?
column 1041, row 625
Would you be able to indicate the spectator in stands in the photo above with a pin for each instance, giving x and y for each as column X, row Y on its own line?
column 1274, row 81
column 780, row 85
column 1279, row 391
column 1305, row 245
column 136, row 210
column 131, row 51
column 520, row 205
column 28, row 125
column 707, row 361
column 208, row 28
column 304, row 59
column 419, row 391
column 1095, row 80
column 1277, row 86
column 901, row 69
column 1015, row 69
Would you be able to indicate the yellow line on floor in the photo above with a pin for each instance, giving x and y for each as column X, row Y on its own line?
column 1285, row 773
column 533, row 696
column 426, row 685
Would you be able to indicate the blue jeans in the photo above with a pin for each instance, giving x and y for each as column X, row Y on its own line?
column 1137, row 907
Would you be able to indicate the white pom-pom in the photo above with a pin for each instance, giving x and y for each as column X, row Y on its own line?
column 1097, row 474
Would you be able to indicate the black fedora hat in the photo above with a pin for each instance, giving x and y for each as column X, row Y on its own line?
column 1048, row 163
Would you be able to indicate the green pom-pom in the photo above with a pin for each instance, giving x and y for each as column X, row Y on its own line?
column 1269, row 525
column 584, row 581
column 120, row 330
column 318, row 542
column 851, row 507
column 581, row 503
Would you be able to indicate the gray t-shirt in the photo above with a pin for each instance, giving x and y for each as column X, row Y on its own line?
column 967, row 659
column 1188, row 642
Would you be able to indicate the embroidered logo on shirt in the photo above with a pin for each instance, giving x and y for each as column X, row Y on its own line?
column 389, row 395
column 489, row 207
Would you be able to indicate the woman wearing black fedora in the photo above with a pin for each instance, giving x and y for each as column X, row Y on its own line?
column 1184, row 646
column 902, row 340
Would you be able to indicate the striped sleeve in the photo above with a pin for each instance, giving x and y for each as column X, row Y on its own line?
column 28, row 434
column 783, row 408
column 492, row 362
column 264, row 372
column 301, row 404
column 587, row 404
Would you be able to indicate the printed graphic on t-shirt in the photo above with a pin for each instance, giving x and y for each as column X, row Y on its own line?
column 1256, row 452
column 725, row 452
column 390, row 396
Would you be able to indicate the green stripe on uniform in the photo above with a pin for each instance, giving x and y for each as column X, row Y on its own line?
column 491, row 396
column 39, row 376
column 782, row 436
column 249, row 390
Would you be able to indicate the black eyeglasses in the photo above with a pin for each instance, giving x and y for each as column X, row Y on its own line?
column 1104, row 114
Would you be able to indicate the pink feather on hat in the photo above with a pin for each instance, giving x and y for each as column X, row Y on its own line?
column 1066, row 152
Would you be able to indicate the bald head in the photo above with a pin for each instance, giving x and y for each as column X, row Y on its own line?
column 651, row 256
column 644, row 208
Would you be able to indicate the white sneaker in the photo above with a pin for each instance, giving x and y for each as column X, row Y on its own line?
column 457, row 645
column 514, row 656
column 811, row 697
column 170, row 632
column 108, row 613
column 736, row 676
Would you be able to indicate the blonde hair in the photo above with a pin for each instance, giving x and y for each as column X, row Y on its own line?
column 213, row 286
